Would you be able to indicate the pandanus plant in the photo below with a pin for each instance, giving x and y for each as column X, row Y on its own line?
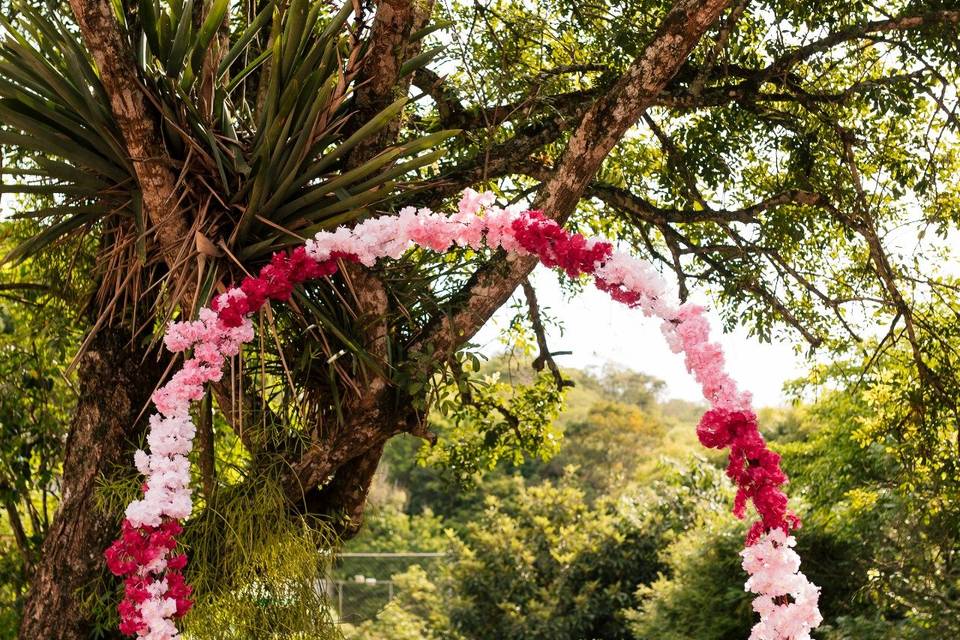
column 258, row 114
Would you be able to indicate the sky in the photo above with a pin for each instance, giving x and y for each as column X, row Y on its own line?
column 598, row 330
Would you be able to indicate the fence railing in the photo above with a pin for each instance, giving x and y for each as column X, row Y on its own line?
column 361, row 583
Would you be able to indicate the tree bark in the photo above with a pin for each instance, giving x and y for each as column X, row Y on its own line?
column 116, row 378
column 351, row 456
column 139, row 124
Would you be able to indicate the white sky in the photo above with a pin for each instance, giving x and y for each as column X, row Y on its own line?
column 598, row 330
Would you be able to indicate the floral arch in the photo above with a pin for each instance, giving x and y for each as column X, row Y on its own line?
column 156, row 593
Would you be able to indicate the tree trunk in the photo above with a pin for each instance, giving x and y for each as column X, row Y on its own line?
column 116, row 379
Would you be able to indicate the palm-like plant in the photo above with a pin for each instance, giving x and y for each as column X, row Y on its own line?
column 256, row 117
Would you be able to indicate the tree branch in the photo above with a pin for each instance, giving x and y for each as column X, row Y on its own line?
column 642, row 209
column 499, row 160
column 139, row 125
column 545, row 356
column 602, row 127
column 345, row 495
column 453, row 115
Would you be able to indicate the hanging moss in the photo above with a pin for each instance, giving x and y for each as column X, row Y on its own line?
column 257, row 574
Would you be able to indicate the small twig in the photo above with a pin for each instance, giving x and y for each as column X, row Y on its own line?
column 545, row 357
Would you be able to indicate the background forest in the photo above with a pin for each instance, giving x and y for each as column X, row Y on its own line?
column 625, row 531
column 795, row 164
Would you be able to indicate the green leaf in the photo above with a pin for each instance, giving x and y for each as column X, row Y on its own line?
column 51, row 234
column 335, row 24
column 211, row 24
column 421, row 60
column 66, row 149
column 181, row 41
column 369, row 128
column 400, row 170
column 345, row 204
column 148, row 11
column 436, row 26
column 166, row 35
column 244, row 40
column 246, row 71
column 296, row 25
column 323, row 190
column 429, row 141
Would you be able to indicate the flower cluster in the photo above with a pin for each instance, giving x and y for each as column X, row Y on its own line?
column 275, row 282
column 786, row 601
column 156, row 593
column 155, row 590
column 142, row 553
column 555, row 247
column 752, row 466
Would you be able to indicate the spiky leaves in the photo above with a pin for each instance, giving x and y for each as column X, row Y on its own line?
column 257, row 117
column 259, row 164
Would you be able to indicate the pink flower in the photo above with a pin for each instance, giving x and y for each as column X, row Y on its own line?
column 471, row 201
column 774, row 569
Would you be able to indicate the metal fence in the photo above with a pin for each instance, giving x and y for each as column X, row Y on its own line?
column 361, row 584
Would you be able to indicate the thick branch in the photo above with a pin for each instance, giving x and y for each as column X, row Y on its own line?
column 378, row 82
column 453, row 114
column 138, row 123
column 345, row 496
column 856, row 32
column 601, row 128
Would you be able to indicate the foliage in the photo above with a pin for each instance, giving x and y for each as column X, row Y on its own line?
column 699, row 594
column 611, row 439
column 794, row 155
column 488, row 419
column 878, row 534
column 270, row 135
column 878, row 466
column 37, row 341
column 536, row 556
column 543, row 565
column 256, row 574
column 262, row 143
column 418, row 613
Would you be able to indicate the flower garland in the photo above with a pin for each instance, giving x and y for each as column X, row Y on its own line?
column 156, row 594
